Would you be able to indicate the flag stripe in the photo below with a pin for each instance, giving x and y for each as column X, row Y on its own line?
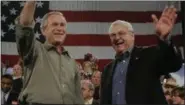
column 104, row 40
column 112, row 5
column 102, row 52
column 15, row 58
column 109, row 16
column 103, row 27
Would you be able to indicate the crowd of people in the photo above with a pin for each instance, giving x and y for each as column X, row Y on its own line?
column 12, row 83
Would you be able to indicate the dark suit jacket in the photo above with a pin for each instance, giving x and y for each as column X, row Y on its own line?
column 13, row 96
column 17, row 85
column 143, row 76
column 95, row 102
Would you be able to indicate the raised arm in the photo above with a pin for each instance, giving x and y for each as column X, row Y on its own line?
column 25, row 32
column 170, row 57
column 27, row 14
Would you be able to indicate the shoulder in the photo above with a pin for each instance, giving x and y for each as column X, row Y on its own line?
column 106, row 67
column 141, row 49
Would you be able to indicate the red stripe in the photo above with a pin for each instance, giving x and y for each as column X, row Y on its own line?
column 12, row 59
column 104, row 40
column 109, row 16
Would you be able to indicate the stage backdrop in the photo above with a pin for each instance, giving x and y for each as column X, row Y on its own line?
column 88, row 23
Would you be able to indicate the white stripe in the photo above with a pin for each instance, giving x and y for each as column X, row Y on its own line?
column 111, row 5
column 102, row 28
column 102, row 52
column 10, row 48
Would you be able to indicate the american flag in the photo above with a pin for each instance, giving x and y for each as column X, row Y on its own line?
column 88, row 23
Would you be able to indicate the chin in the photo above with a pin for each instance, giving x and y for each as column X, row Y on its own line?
column 120, row 50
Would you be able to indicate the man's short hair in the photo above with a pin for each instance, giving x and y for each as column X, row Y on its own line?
column 7, row 76
column 178, row 91
column 124, row 23
column 45, row 17
column 89, row 83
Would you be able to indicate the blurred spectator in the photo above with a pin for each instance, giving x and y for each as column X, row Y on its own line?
column 178, row 96
column 3, row 68
column 9, row 71
column 96, row 80
column 17, row 78
column 169, row 84
column 90, row 63
column 88, row 90
column 168, row 97
column 8, row 96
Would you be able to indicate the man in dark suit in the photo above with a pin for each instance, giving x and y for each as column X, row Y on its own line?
column 8, row 96
column 17, row 78
column 134, row 76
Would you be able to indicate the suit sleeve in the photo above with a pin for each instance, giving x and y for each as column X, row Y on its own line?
column 25, row 41
column 103, row 80
column 170, row 59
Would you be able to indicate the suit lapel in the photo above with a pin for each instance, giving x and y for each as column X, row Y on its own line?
column 111, row 72
column 130, row 70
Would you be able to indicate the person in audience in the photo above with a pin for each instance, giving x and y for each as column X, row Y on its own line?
column 170, row 84
column 88, row 90
column 50, row 74
column 17, row 78
column 178, row 96
column 87, row 64
column 8, row 96
column 168, row 97
column 96, row 80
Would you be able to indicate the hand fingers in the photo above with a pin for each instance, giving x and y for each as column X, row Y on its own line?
column 165, row 11
column 170, row 13
column 154, row 18
column 174, row 19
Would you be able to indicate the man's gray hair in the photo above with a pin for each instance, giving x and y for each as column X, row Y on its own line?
column 124, row 23
column 89, row 83
column 45, row 17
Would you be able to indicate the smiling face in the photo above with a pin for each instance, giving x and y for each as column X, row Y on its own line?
column 55, row 29
column 121, row 37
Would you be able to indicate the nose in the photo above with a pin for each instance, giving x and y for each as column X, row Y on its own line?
column 117, row 37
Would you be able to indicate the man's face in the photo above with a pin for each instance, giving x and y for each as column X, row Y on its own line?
column 121, row 38
column 55, row 30
column 86, row 92
column 176, row 100
column 6, row 84
column 96, row 79
column 17, row 70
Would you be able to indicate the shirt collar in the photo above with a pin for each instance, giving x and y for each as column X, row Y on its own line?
column 89, row 101
column 49, row 46
column 125, row 54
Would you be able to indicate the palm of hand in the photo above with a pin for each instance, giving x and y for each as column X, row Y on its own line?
column 163, row 26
